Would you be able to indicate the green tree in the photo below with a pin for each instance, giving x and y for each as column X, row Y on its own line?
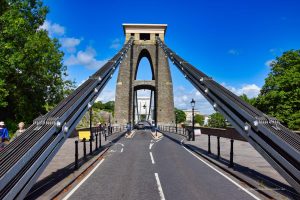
column 31, row 67
column 280, row 95
column 180, row 115
column 199, row 119
column 251, row 101
column 217, row 121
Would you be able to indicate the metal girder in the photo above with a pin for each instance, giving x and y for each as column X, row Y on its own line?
column 277, row 144
column 22, row 164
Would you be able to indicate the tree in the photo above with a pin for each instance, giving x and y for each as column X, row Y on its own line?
column 199, row 119
column 217, row 121
column 32, row 72
column 280, row 95
column 180, row 116
column 250, row 101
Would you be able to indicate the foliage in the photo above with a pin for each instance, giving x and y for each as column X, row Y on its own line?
column 180, row 116
column 32, row 72
column 250, row 101
column 142, row 117
column 217, row 121
column 199, row 119
column 280, row 95
column 97, row 117
column 108, row 106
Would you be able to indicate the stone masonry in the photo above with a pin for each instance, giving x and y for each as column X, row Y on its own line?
column 161, row 83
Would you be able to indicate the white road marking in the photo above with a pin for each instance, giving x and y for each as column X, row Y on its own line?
column 161, row 193
column 120, row 144
column 158, row 140
column 122, row 150
column 225, row 176
column 152, row 160
column 181, row 141
column 111, row 151
column 150, row 145
column 82, row 181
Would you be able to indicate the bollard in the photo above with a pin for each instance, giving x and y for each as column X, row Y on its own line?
column 218, row 147
column 209, row 144
column 76, row 154
column 100, row 139
column 105, row 137
column 96, row 135
column 84, row 148
column 231, row 153
column 91, row 146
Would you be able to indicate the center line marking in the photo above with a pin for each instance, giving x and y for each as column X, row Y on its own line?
column 152, row 160
column 83, row 180
column 161, row 193
column 121, row 150
column 150, row 145
column 225, row 176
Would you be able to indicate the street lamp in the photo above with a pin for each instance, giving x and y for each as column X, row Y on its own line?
column 144, row 106
column 193, row 120
column 176, row 121
column 91, row 124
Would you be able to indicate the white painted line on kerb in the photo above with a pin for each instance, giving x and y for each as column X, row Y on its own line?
column 82, row 181
column 181, row 141
column 161, row 193
column 225, row 176
column 152, row 160
column 150, row 145
column 122, row 150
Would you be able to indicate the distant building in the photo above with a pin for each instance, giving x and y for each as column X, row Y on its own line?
column 189, row 116
column 143, row 108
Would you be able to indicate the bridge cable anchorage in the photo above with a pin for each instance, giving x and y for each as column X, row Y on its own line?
column 24, row 159
column 276, row 143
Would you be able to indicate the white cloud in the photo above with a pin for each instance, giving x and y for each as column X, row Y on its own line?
column 85, row 58
column 183, row 97
column 233, row 52
column 107, row 95
column 53, row 28
column 269, row 62
column 116, row 44
column 70, row 43
column 251, row 90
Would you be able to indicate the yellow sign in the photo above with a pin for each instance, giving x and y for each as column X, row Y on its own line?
column 84, row 134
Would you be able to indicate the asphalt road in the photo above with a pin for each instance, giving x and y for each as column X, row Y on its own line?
column 144, row 168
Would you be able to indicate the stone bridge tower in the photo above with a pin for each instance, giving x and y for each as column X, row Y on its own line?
column 161, row 83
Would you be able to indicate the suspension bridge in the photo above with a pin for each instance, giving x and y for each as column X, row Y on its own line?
column 148, row 166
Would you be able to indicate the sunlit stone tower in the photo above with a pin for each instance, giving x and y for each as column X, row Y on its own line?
column 161, row 83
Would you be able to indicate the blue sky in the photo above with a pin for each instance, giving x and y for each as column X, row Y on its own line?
column 232, row 41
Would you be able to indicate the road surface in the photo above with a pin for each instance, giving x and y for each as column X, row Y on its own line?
column 144, row 168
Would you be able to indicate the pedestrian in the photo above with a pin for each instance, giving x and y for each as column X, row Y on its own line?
column 4, row 135
column 21, row 130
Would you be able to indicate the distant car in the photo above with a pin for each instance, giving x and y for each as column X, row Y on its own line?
column 140, row 125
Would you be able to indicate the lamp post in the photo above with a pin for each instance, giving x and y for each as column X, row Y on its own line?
column 176, row 121
column 144, row 106
column 91, row 124
column 193, row 120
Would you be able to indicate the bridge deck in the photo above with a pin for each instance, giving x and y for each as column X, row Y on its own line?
column 128, row 172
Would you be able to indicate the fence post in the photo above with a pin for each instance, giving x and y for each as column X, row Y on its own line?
column 84, row 148
column 91, row 146
column 96, row 141
column 105, row 136
column 231, row 153
column 100, row 139
column 218, row 138
column 76, row 154
column 209, row 144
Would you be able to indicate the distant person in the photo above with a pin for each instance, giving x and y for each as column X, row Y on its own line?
column 21, row 130
column 4, row 135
